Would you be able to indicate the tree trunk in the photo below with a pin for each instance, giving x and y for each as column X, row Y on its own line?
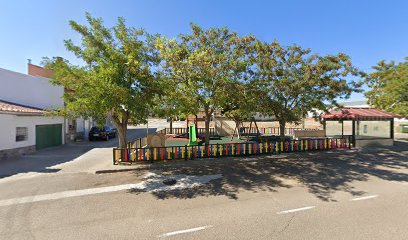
column 282, row 130
column 171, row 125
column 256, row 125
column 236, row 129
column 196, row 124
column 122, row 130
column 249, row 131
column 207, row 129
column 122, row 136
column 240, row 124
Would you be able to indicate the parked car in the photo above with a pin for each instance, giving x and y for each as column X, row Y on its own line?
column 104, row 133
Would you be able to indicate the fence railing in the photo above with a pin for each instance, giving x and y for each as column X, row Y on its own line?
column 136, row 155
column 141, row 142
column 272, row 130
column 200, row 131
column 137, row 143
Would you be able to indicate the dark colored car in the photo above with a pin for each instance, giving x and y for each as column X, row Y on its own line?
column 102, row 133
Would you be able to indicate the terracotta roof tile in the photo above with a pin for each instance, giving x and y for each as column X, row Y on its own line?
column 10, row 107
column 358, row 113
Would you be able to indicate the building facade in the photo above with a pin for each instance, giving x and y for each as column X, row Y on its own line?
column 74, row 129
column 24, row 124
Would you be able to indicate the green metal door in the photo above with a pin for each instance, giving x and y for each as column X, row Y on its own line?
column 404, row 128
column 48, row 135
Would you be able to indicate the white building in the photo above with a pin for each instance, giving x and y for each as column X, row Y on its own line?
column 23, row 125
column 74, row 128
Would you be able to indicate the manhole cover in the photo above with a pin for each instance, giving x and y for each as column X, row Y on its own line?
column 169, row 181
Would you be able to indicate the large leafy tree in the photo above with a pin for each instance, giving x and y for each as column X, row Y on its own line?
column 291, row 81
column 118, row 77
column 201, row 63
column 389, row 87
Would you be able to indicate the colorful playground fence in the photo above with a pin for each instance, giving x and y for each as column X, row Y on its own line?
column 139, row 155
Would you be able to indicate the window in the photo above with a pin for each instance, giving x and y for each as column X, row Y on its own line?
column 365, row 129
column 21, row 134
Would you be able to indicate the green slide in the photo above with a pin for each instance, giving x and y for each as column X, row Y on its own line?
column 192, row 136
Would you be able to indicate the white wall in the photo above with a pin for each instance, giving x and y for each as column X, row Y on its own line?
column 29, row 90
column 8, row 124
column 80, row 127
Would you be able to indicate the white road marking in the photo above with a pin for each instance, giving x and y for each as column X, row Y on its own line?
column 150, row 185
column 185, row 231
column 364, row 198
column 66, row 194
column 296, row 210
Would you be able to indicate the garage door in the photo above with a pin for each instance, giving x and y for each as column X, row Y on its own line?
column 48, row 135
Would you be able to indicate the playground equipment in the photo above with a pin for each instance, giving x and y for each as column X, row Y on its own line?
column 192, row 136
column 240, row 129
column 156, row 140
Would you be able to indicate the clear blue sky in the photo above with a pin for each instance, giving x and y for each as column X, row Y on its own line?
column 367, row 31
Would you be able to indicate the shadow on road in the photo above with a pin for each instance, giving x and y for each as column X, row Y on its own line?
column 42, row 160
column 323, row 173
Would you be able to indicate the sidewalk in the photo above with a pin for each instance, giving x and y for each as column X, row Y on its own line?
column 70, row 158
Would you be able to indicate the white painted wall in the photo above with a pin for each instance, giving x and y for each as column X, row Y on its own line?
column 8, row 124
column 29, row 90
column 80, row 127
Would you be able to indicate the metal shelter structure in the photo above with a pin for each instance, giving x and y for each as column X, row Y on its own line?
column 367, row 126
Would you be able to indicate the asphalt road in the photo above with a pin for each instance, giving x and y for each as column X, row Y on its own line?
column 358, row 194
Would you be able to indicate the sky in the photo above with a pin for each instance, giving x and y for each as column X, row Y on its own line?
column 367, row 31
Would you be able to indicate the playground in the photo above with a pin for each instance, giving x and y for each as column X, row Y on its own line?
column 189, row 143
column 246, row 136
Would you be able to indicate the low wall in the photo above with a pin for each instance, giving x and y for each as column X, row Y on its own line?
column 225, row 127
column 374, row 142
column 309, row 133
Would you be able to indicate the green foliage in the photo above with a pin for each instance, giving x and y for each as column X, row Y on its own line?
column 290, row 81
column 200, row 64
column 118, row 77
column 389, row 87
column 170, row 104
column 183, row 117
column 129, row 73
column 238, row 102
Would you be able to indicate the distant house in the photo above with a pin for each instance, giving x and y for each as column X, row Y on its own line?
column 356, row 104
column 24, row 127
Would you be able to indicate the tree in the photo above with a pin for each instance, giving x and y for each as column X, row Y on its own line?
column 201, row 63
column 170, row 104
column 238, row 104
column 291, row 81
column 118, row 77
column 389, row 87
